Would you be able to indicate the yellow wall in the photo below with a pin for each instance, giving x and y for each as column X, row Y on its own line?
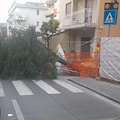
column 114, row 29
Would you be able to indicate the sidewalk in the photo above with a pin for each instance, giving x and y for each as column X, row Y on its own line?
column 109, row 90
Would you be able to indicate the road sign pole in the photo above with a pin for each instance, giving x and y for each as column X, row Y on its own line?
column 109, row 25
column 109, row 31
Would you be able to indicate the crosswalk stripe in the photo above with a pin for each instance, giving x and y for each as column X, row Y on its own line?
column 2, row 94
column 22, row 88
column 68, row 86
column 46, row 87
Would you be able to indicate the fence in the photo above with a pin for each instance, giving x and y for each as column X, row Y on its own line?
column 106, row 64
column 80, row 17
column 83, row 62
column 86, row 63
column 110, row 58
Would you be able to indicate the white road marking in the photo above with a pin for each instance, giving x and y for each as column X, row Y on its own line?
column 107, row 100
column 68, row 86
column 46, row 87
column 10, row 115
column 2, row 94
column 17, row 110
column 22, row 88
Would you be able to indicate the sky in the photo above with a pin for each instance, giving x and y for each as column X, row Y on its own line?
column 5, row 5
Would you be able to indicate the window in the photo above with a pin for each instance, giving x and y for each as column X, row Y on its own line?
column 88, row 13
column 37, row 23
column 89, row 4
column 37, row 12
column 55, row 5
column 68, row 8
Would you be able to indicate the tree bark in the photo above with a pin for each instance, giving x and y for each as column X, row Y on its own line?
column 59, row 59
column 48, row 42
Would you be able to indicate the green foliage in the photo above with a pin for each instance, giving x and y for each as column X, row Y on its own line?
column 44, row 31
column 23, row 57
column 53, row 26
column 49, row 28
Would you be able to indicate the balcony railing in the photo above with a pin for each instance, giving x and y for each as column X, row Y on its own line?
column 19, row 16
column 80, row 17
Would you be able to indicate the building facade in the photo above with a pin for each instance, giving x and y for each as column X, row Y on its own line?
column 83, row 21
column 23, row 15
column 3, row 30
column 114, row 29
column 80, row 18
column 53, row 6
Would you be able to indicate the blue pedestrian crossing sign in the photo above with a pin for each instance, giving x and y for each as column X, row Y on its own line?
column 110, row 17
column 110, row 13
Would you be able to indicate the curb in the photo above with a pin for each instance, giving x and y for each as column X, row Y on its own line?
column 100, row 93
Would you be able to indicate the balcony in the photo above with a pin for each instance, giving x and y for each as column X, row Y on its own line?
column 19, row 16
column 81, row 18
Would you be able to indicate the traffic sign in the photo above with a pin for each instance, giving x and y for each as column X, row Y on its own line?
column 110, row 17
column 110, row 13
column 111, row 6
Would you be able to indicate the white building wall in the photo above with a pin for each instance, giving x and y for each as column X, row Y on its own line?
column 17, row 10
column 32, row 16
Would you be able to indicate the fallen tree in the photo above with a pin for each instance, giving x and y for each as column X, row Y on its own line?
column 46, row 31
column 58, row 58
column 23, row 56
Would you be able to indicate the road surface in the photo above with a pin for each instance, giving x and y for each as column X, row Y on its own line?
column 53, row 100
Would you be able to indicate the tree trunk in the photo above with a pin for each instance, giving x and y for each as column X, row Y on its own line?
column 59, row 59
column 48, row 42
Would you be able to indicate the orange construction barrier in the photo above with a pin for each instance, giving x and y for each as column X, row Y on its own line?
column 84, row 62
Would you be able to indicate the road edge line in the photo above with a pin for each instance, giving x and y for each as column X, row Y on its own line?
column 17, row 110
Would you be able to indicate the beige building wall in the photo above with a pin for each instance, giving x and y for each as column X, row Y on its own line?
column 62, row 9
column 75, row 35
column 52, row 7
column 62, row 39
column 77, row 5
column 114, row 29
column 95, row 11
column 78, row 41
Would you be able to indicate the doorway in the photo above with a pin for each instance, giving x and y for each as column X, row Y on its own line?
column 86, row 44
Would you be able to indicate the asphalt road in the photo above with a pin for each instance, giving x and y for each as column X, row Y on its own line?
column 53, row 100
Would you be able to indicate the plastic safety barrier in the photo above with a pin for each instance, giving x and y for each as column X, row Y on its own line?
column 83, row 62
